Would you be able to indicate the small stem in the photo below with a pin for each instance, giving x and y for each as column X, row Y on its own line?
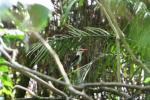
column 118, row 59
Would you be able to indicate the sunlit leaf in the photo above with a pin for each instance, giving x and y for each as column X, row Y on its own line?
column 39, row 16
column 4, row 68
column 8, row 83
column 6, row 91
column 147, row 80
column 6, row 80
column 13, row 34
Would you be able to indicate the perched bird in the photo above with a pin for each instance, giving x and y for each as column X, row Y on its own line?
column 78, row 57
column 75, row 63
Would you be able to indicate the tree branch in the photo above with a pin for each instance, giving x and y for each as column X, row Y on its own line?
column 118, row 58
column 60, row 66
column 18, row 67
column 111, row 90
column 115, row 84
column 33, row 94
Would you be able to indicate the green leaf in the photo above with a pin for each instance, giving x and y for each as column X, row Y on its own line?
column 13, row 34
column 147, row 80
column 4, row 68
column 8, row 84
column 7, row 91
column 39, row 16
column 6, row 80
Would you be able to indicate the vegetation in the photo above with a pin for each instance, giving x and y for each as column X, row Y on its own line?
column 38, row 39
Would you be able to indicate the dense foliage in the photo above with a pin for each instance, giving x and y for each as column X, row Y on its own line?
column 116, row 34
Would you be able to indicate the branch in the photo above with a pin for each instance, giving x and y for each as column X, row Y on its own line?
column 43, row 76
column 55, row 56
column 115, row 84
column 60, row 67
column 90, row 85
column 26, row 89
column 113, row 91
column 18, row 67
column 106, row 84
column 33, row 94
column 118, row 58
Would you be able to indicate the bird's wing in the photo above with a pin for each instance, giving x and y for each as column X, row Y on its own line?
column 74, row 60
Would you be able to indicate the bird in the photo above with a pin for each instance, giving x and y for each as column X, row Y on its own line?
column 75, row 62
column 78, row 57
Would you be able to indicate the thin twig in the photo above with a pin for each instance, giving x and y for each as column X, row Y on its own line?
column 113, row 91
column 33, row 94
column 115, row 84
column 118, row 58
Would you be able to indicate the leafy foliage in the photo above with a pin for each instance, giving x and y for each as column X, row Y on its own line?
column 5, row 79
column 81, row 23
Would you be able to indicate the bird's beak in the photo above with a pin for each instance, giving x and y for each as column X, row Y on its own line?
column 83, row 49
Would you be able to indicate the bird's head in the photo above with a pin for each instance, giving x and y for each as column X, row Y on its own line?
column 82, row 50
